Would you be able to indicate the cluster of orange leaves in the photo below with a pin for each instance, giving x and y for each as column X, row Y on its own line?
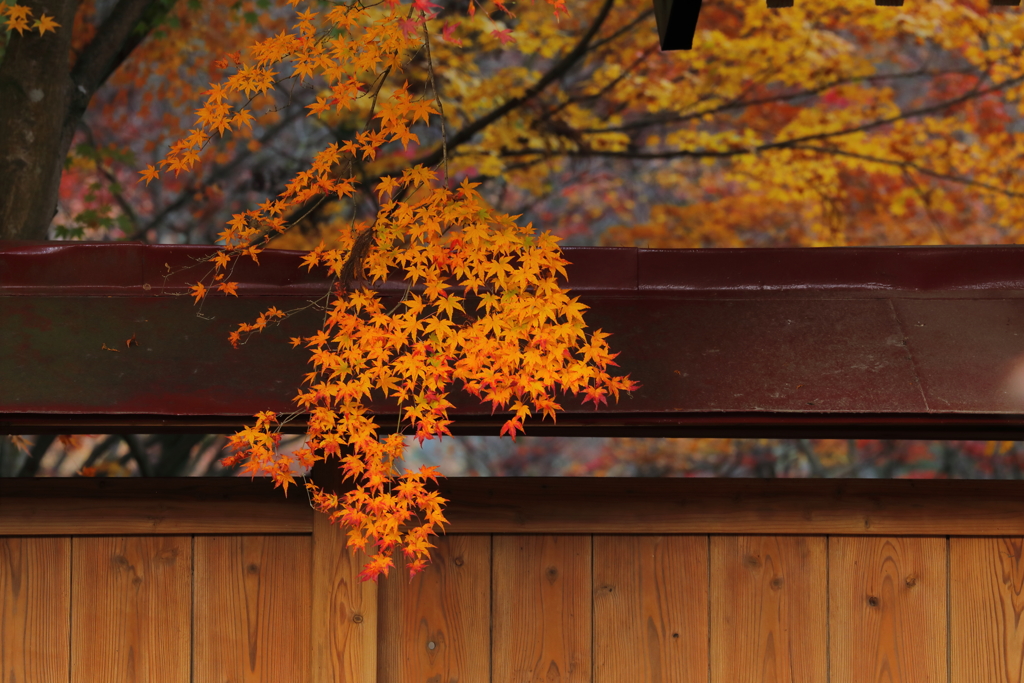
column 481, row 305
column 15, row 17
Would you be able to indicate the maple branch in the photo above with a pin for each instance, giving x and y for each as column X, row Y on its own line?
column 440, row 105
column 218, row 172
column 558, row 70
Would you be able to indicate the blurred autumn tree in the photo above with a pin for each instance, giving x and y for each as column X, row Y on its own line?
column 824, row 123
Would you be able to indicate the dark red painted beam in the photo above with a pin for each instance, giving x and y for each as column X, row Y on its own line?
column 886, row 342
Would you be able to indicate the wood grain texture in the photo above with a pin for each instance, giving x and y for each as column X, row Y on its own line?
column 651, row 609
column 436, row 628
column 541, row 607
column 730, row 506
column 768, row 609
column 131, row 609
column 887, row 610
column 986, row 586
column 35, row 609
column 252, row 609
column 344, row 610
column 93, row 517
column 539, row 505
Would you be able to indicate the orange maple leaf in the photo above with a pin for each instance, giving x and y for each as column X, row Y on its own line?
column 150, row 174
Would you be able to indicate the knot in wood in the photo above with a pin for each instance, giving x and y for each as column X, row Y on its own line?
column 458, row 562
column 777, row 583
column 872, row 601
column 357, row 618
column 911, row 581
column 253, row 569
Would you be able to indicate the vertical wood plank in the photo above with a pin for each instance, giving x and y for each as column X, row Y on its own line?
column 436, row 628
column 252, row 609
column 651, row 609
column 887, row 616
column 768, row 609
column 541, row 607
column 986, row 603
column 35, row 609
column 344, row 610
column 131, row 609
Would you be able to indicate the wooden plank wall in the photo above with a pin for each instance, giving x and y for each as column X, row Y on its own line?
column 709, row 609
column 515, row 609
column 189, row 606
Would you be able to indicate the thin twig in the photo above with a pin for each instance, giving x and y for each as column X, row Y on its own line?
column 440, row 105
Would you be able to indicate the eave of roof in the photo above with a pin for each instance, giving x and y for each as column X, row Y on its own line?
column 882, row 342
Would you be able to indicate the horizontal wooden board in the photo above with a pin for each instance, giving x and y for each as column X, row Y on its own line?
column 537, row 505
column 91, row 517
column 166, row 505
column 735, row 506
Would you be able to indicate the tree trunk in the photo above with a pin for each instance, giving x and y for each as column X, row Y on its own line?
column 43, row 97
column 35, row 92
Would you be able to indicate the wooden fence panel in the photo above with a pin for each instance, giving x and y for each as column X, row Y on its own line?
column 887, row 600
column 651, row 609
column 986, row 603
column 131, row 609
column 252, row 609
column 542, row 601
column 344, row 610
column 768, row 609
column 35, row 609
column 437, row 627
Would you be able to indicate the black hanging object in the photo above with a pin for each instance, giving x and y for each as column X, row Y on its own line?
column 677, row 22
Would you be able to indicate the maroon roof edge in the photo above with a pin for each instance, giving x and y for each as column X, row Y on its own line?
column 883, row 342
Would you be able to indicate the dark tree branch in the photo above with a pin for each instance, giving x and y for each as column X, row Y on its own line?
column 122, row 31
column 557, row 71
column 738, row 103
column 792, row 143
column 909, row 165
